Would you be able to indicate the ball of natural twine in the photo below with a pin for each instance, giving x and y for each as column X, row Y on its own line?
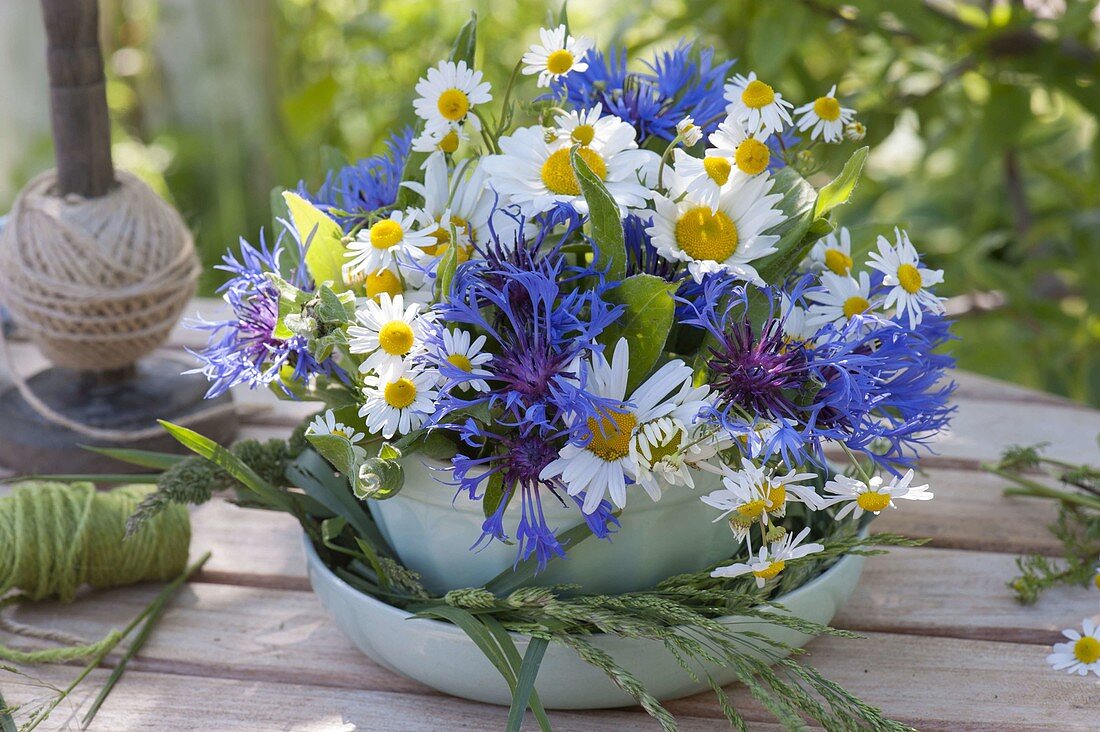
column 96, row 283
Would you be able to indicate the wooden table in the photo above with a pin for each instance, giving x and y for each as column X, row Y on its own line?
column 246, row 646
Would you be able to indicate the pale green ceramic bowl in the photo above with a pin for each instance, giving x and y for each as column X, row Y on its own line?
column 441, row 656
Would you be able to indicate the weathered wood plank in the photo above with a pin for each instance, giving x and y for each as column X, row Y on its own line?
column 158, row 702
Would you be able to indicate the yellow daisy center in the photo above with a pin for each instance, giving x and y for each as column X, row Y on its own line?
column 827, row 108
column 771, row 570
column 461, row 361
column 559, row 61
column 777, row 497
column 583, row 135
column 855, row 305
column 1087, row 650
column 838, row 262
column 718, row 169
column 611, row 435
column 757, row 94
column 706, row 234
column 449, row 142
column 385, row 234
column 909, row 278
column 1096, row 580
column 873, row 502
column 752, row 156
column 453, row 104
column 753, row 509
column 558, row 175
column 383, row 281
column 400, row 394
column 396, row 338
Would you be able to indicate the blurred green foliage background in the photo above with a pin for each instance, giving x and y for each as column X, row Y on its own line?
column 982, row 117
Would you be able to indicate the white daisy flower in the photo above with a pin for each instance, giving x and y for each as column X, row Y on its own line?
column 440, row 139
column 855, row 130
column 689, row 132
column 460, row 202
column 326, row 424
column 557, row 55
column 390, row 332
column 795, row 326
column 668, row 448
column 607, row 461
column 842, row 299
column 389, row 242
column 448, row 95
column 748, row 151
column 756, row 105
column 907, row 279
column 755, row 494
column 587, row 127
column 398, row 403
column 703, row 179
column 536, row 173
column 1081, row 654
column 824, row 117
column 832, row 253
column 874, row 496
column 770, row 561
column 467, row 356
column 727, row 238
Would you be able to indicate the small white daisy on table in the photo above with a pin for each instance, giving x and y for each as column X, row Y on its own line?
column 756, row 105
column 400, row 402
column 689, row 132
column 833, row 253
column 747, row 150
column 557, row 55
column 771, row 560
column 900, row 265
column 842, row 299
column 873, row 496
column 326, row 424
column 440, row 139
column 1081, row 653
column 754, row 494
column 536, row 173
column 448, row 94
column 724, row 239
column 398, row 240
column 602, row 460
column 466, row 355
column 390, row 332
column 824, row 117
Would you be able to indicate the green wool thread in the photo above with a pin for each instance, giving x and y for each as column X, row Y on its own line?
column 57, row 537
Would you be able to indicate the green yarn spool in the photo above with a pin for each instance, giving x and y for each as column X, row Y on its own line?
column 57, row 537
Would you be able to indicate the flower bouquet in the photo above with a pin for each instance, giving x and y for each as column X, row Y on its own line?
column 586, row 350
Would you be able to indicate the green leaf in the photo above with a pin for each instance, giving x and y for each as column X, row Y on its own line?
column 7, row 723
column 319, row 480
column 525, row 682
column 603, row 214
column 379, row 479
column 465, row 44
column 332, row 528
column 144, row 458
column 494, row 494
column 323, row 239
column 563, row 16
column 645, row 323
column 445, row 274
column 228, row 462
column 839, row 190
column 338, row 451
column 511, row 654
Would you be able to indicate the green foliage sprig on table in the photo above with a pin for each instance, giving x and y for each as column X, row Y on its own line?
column 1077, row 526
column 682, row 613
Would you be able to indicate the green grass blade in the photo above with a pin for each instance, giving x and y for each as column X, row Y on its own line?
column 525, row 682
column 7, row 722
column 143, row 458
column 89, row 478
column 511, row 653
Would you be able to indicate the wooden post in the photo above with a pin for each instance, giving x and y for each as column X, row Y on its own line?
column 78, row 97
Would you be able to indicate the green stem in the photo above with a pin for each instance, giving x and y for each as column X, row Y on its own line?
column 856, row 463
column 505, row 116
column 1040, row 491
column 664, row 160
column 154, row 608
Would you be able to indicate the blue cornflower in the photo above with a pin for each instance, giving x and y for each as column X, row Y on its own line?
column 352, row 193
column 244, row 349
column 517, row 460
column 680, row 83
